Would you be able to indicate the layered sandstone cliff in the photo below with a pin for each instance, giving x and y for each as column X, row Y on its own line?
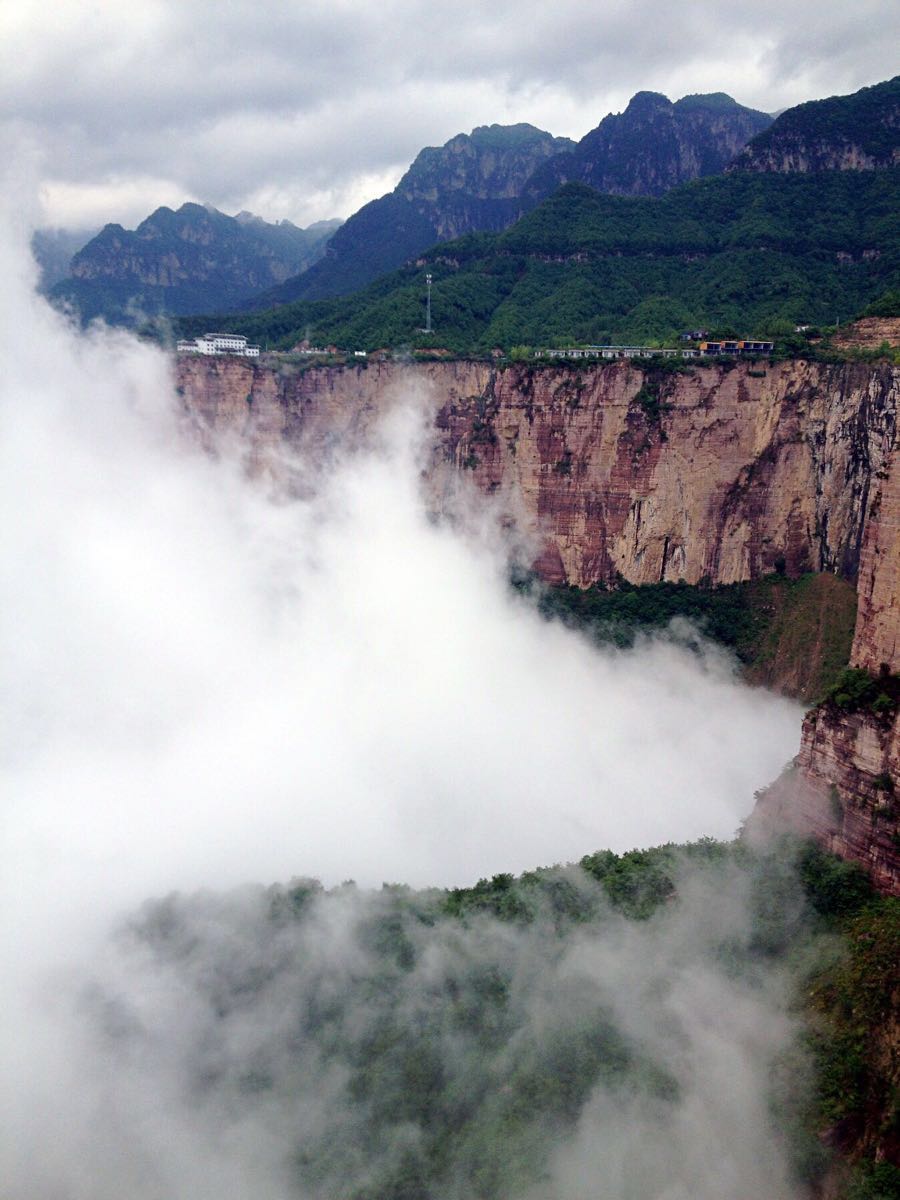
column 711, row 473
column 717, row 473
column 846, row 789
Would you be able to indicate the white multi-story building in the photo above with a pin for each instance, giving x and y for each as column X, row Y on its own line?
column 218, row 343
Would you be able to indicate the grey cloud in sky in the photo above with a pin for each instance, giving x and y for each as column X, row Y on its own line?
column 308, row 111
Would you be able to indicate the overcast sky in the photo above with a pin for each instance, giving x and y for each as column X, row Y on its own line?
column 307, row 109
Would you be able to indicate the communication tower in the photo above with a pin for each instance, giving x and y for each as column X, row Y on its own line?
column 427, row 328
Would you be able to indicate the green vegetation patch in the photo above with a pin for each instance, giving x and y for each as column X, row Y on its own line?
column 855, row 1032
column 856, row 690
column 886, row 305
column 790, row 634
column 460, row 1036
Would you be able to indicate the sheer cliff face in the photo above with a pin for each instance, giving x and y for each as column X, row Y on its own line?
column 841, row 791
column 876, row 645
column 613, row 470
column 847, row 787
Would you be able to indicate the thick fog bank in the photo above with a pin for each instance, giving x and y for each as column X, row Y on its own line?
column 204, row 684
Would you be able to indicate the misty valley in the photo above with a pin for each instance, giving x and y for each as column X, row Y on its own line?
column 460, row 761
column 317, row 673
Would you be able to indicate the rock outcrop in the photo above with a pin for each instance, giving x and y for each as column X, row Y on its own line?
column 845, row 788
column 717, row 473
column 869, row 333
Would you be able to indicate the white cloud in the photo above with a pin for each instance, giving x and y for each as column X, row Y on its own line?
column 201, row 684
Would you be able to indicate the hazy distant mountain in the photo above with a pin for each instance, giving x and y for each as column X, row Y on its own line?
column 192, row 260
column 856, row 132
column 473, row 182
column 653, row 146
column 53, row 250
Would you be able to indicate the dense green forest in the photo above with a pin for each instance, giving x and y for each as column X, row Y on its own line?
column 711, row 1017
column 793, row 635
column 749, row 252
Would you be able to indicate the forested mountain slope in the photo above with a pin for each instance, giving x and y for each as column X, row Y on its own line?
column 843, row 133
column 670, row 1017
column 744, row 251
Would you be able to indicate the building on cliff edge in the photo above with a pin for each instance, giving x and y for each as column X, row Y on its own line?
column 218, row 343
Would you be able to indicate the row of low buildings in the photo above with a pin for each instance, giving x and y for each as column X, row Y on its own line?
column 218, row 343
column 735, row 347
column 235, row 343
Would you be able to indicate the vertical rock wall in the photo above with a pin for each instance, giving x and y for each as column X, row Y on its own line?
column 712, row 473
column 847, row 788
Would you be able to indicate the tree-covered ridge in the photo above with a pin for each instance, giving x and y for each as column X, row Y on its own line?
column 859, row 130
column 458, row 1043
column 885, row 305
column 748, row 252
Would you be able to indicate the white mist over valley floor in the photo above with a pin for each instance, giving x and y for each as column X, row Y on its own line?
column 206, row 683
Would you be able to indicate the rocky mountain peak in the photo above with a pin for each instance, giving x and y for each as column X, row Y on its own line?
column 644, row 103
column 493, row 161
column 653, row 146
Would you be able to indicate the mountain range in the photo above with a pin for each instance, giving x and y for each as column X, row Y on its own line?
column 184, row 261
column 489, row 179
column 665, row 215
column 748, row 250
column 478, row 182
